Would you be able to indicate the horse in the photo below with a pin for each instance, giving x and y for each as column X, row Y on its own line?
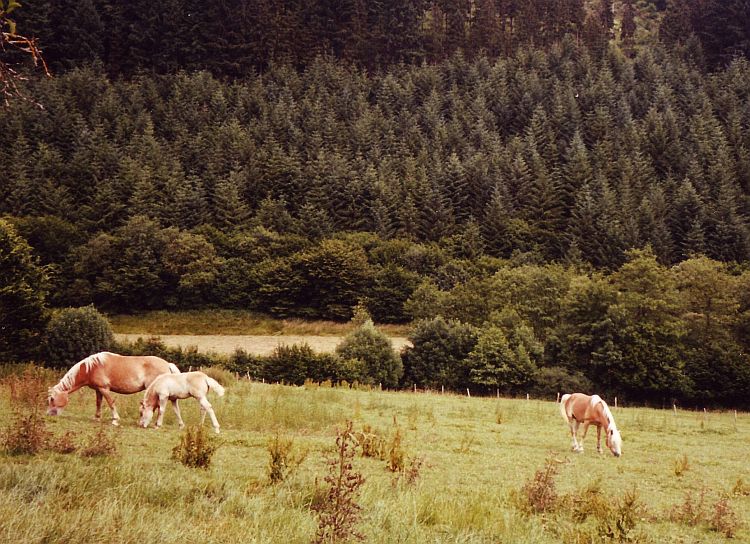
column 577, row 409
column 107, row 373
column 179, row 386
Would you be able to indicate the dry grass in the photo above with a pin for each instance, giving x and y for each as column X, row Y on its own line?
column 232, row 322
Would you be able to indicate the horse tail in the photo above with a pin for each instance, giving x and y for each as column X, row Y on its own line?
column 173, row 369
column 216, row 386
column 564, row 408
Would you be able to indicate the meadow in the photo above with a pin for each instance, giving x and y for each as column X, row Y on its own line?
column 467, row 470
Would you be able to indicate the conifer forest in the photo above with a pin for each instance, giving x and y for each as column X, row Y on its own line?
column 551, row 191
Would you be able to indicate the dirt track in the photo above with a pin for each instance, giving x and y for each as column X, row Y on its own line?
column 257, row 345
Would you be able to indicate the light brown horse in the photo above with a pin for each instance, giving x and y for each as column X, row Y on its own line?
column 577, row 409
column 172, row 387
column 108, row 373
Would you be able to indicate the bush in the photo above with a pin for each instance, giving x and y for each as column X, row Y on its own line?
column 381, row 363
column 195, row 449
column 437, row 358
column 75, row 333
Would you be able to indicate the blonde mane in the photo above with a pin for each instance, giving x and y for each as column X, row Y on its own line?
column 596, row 399
column 68, row 381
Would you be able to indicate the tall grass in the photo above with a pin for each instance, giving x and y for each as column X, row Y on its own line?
column 462, row 493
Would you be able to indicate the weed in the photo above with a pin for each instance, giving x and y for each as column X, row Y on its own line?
column 724, row 519
column 691, row 511
column 27, row 435
column 621, row 518
column 590, row 502
column 741, row 488
column 28, row 389
column 195, row 448
column 467, row 443
column 681, row 465
column 411, row 472
column 338, row 511
column 539, row 494
column 371, row 442
column 101, row 444
column 65, row 443
column 282, row 460
column 396, row 454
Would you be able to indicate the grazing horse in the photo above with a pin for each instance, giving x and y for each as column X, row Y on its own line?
column 179, row 386
column 107, row 373
column 577, row 409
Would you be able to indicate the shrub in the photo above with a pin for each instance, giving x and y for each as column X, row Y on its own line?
column 691, row 511
column 245, row 363
column 439, row 352
column 27, row 434
column 381, row 363
column 724, row 519
column 195, row 448
column 289, row 364
column 540, row 494
column 66, row 443
column 282, row 459
column 100, row 444
column 75, row 333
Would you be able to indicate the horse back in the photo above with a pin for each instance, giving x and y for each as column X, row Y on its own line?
column 127, row 374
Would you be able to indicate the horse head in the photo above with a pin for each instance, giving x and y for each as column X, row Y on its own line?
column 146, row 413
column 56, row 401
column 614, row 441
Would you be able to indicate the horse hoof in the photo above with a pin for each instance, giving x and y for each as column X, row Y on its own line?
column 116, row 423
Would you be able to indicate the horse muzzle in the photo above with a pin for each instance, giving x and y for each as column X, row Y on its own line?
column 53, row 411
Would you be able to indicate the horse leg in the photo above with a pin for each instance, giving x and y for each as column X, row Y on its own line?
column 111, row 402
column 573, row 432
column 162, row 409
column 583, row 436
column 177, row 413
column 208, row 408
column 98, row 414
column 599, row 438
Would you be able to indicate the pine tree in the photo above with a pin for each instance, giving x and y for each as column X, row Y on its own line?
column 229, row 208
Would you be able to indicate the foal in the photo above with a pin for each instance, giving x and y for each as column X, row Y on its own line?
column 179, row 386
column 577, row 409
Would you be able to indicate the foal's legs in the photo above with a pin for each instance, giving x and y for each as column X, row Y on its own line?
column 111, row 402
column 162, row 409
column 177, row 413
column 206, row 407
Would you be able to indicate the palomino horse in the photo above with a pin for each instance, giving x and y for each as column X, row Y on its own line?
column 179, row 386
column 108, row 373
column 577, row 409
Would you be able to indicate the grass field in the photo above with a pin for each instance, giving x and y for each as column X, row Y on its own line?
column 473, row 458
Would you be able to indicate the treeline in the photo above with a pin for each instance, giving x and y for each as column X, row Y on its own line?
column 235, row 37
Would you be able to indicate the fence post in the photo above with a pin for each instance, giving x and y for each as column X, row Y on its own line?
column 468, row 394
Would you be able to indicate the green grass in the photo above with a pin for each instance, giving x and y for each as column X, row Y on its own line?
column 231, row 322
column 467, row 491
